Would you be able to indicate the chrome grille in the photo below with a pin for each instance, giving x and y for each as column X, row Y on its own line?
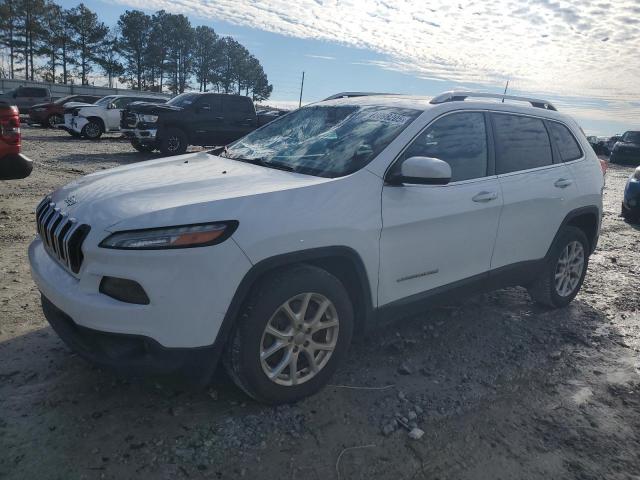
column 61, row 235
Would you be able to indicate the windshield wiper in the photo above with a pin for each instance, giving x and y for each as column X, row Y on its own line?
column 263, row 163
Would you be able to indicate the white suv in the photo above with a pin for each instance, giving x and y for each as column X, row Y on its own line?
column 274, row 250
column 91, row 120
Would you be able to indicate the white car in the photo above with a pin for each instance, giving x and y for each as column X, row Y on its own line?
column 91, row 120
column 274, row 251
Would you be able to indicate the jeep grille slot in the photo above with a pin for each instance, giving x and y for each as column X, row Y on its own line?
column 61, row 235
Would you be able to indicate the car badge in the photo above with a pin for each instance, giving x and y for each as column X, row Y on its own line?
column 70, row 200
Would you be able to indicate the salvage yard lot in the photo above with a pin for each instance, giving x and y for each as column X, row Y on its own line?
column 502, row 388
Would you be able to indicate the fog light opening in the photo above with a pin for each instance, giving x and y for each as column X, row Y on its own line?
column 124, row 290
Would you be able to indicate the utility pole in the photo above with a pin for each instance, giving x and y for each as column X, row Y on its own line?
column 505, row 90
column 301, row 87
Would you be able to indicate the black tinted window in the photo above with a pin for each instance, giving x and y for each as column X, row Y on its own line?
column 212, row 100
column 237, row 105
column 565, row 141
column 33, row 92
column 521, row 143
column 460, row 139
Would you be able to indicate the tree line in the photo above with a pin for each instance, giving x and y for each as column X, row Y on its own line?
column 157, row 52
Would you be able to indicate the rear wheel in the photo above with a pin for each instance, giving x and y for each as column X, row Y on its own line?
column 293, row 333
column 565, row 270
column 142, row 147
column 173, row 142
column 92, row 130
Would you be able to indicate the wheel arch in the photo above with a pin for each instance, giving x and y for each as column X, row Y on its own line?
column 342, row 262
column 99, row 121
column 586, row 219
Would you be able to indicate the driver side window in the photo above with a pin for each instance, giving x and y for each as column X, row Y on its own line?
column 460, row 139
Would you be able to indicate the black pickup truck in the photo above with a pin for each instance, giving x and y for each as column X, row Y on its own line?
column 207, row 119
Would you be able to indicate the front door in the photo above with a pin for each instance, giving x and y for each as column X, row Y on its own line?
column 435, row 235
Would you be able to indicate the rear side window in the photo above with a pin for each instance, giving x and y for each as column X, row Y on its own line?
column 565, row 141
column 236, row 106
column 460, row 139
column 33, row 92
column 521, row 143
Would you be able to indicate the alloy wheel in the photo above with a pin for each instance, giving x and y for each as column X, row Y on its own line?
column 173, row 143
column 54, row 120
column 92, row 130
column 569, row 269
column 299, row 339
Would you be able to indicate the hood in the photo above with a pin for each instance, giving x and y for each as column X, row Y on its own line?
column 152, row 108
column 41, row 105
column 174, row 191
column 628, row 145
column 72, row 105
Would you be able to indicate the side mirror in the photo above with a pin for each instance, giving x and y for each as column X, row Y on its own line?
column 422, row 171
column 111, row 106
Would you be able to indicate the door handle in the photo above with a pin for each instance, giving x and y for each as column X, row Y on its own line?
column 483, row 197
column 562, row 183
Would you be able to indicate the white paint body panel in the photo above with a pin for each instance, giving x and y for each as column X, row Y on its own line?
column 397, row 231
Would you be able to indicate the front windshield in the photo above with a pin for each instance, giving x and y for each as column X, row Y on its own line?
column 105, row 100
column 631, row 137
column 324, row 140
column 183, row 100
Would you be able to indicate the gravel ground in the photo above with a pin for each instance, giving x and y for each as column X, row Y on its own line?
column 501, row 388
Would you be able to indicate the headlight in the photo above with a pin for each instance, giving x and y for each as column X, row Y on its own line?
column 149, row 118
column 185, row 236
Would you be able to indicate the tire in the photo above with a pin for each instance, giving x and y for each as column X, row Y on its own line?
column 627, row 215
column 265, row 306
column 142, row 147
column 92, row 130
column 53, row 120
column 173, row 142
column 545, row 290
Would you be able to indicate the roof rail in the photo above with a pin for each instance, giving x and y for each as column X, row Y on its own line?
column 355, row 94
column 461, row 95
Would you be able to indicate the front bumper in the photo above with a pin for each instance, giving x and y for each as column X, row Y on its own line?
column 73, row 123
column 631, row 198
column 130, row 354
column 142, row 135
column 189, row 290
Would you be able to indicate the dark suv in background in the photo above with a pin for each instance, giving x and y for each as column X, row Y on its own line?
column 627, row 149
column 52, row 113
column 26, row 97
column 207, row 119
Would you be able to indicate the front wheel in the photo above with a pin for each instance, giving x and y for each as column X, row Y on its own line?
column 92, row 130
column 142, row 147
column 53, row 120
column 173, row 142
column 293, row 333
column 562, row 277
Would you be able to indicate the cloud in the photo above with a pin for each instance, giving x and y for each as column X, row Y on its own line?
column 568, row 47
column 321, row 57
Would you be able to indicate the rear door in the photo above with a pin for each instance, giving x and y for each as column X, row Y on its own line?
column 537, row 188
column 206, row 124
column 239, row 116
column 436, row 235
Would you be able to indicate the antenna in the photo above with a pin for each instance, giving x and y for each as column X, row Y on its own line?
column 505, row 90
column 301, row 87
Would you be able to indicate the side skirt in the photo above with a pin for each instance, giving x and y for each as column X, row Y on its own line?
column 519, row 274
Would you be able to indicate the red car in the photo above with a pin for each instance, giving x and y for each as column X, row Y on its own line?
column 13, row 164
column 50, row 114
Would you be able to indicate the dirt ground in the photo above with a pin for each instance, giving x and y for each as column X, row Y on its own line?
column 501, row 388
